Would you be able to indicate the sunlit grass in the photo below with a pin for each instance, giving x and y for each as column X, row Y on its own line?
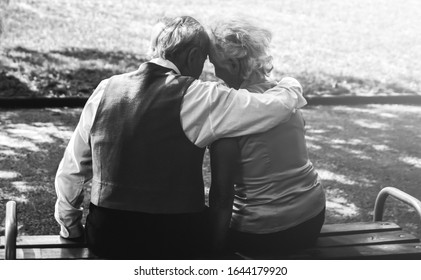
column 4, row 174
column 338, row 206
column 414, row 161
column 333, row 47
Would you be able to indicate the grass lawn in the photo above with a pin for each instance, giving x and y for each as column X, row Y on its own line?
column 65, row 47
column 356, row 150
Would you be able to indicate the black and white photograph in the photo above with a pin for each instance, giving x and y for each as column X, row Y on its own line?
column 210, row 138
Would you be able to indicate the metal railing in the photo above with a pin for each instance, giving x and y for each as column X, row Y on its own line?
column 399, row 195
column 11, row 231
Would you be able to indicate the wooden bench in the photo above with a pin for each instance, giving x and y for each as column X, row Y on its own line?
column 364, row 240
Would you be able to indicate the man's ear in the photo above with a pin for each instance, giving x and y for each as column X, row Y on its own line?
column 194, row 59
column 193, row 56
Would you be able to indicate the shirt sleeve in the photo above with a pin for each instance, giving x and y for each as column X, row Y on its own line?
column 211, row 111
column 75, row 171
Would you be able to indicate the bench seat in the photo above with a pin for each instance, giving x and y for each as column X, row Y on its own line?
column 363, row 240
column 47, row 247
column 51, row 253
column 370, row 240
column 373, row 240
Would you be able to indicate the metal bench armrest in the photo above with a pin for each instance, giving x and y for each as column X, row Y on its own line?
column 398, row 194
column 11, row 231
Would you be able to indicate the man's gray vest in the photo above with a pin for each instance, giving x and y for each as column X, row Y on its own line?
column 141, row 158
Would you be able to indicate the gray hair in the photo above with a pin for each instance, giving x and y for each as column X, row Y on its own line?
column 242, row 40
column 171, row 36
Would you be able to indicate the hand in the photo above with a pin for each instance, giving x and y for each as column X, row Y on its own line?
column 80, row 239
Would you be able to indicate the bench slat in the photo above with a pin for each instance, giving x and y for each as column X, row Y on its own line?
column 385, row 251
column 372, row 238
column 354, row 228
column 51, row 253
column 43, row 241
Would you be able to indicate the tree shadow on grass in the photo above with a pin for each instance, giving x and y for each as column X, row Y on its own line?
column 360, row 150
column 77, row 71
column 68, row 72
column 114, row 57
column 9, row 85
column 31, row 148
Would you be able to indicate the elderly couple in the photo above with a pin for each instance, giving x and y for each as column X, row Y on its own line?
column 141, row 140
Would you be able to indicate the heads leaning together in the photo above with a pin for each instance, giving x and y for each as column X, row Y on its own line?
column 238, row 49
column 183, row 41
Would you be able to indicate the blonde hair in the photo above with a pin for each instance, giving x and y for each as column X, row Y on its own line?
column 242, row 40
column 171, row 36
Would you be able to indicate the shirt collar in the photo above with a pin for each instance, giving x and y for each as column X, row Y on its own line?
column 166, row 63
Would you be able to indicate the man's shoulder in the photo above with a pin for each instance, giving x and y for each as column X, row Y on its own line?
column 123, row 76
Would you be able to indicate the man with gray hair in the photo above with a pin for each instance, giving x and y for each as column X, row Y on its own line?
column 141, row 140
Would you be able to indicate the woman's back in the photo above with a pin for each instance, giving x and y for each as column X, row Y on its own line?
column 277, row 186
column 286, row 140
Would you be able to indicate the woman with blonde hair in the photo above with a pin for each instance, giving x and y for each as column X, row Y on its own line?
column 264, row 187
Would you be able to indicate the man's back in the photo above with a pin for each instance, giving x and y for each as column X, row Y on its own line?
column 147, row 186
column 142, row 160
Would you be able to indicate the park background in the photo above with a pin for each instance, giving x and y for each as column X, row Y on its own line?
column 61, row 49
